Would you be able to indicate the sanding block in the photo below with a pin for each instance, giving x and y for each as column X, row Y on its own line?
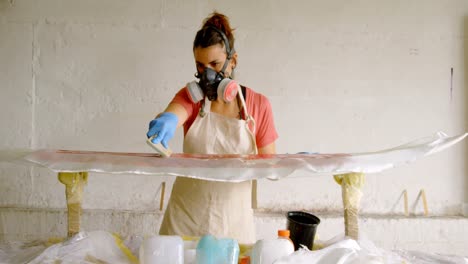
column 164, row 152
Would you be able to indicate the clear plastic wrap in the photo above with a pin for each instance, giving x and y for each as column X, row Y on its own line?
column 236, row 168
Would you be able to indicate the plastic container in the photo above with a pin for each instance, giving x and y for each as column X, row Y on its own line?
column 190, row 252
column 217, row 251
column 244, row 260
column 162, row 250
column 285, row 234
column 302, row 226
column 267, row 251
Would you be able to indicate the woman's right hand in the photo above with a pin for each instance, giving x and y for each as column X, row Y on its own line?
column 163, row 128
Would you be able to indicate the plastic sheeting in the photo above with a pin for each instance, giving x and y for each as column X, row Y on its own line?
column 236, row 168
column 85, row 247
column 103, row 247
column 348, row 251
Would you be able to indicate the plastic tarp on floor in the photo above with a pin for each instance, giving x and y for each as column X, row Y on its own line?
column 103, row 247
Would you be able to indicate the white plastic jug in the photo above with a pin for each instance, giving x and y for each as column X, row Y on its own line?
column 162, row 250
column 190, row 252
column 267, row 251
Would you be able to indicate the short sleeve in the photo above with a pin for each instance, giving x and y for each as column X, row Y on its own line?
column 259, row 107
column 183, row 99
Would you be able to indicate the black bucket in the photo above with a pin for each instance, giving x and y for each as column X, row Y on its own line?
column 302, row 227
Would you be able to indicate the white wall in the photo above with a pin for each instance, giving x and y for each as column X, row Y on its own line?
column 342, row 76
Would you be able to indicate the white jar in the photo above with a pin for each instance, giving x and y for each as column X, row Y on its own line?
column 190, row 252
column 162, row 250
column 267, row 251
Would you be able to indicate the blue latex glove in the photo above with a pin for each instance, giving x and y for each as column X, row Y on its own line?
column 164, row 127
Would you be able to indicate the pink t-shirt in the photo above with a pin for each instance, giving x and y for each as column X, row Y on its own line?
column 258, row 107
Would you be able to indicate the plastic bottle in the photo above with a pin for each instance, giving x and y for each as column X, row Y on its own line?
column 244, row 260
column 162, row 250
column 217, row 251
column 267, row 251
column 190, row 251
column 285, row 234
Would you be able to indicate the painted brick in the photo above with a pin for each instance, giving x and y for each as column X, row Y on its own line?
column 105, row 95
column 429, row 235
column 16, row 185
column 342, row 76
column 15, row 85
column 145, row 12
column 128, row 192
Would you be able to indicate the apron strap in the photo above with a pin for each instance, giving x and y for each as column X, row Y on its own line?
column 248, row 119
column 205, row 107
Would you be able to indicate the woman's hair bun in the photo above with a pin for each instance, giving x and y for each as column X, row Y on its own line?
column 207, row 36
column 220, row 22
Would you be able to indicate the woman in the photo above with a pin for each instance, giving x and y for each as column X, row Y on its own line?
column 219, row 117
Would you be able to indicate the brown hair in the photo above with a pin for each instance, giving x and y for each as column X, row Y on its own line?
column 208, row 36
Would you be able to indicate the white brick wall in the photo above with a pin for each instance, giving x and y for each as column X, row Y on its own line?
column 342, row 76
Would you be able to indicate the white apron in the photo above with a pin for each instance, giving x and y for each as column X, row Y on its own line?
column 200, row 207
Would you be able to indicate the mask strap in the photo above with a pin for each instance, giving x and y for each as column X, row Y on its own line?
column 229, row 51
column 224, row 67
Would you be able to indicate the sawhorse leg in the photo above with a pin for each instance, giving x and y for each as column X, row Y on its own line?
column 351, row 184
column 74, row 185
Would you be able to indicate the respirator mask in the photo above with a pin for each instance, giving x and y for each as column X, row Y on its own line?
column 213, row 84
